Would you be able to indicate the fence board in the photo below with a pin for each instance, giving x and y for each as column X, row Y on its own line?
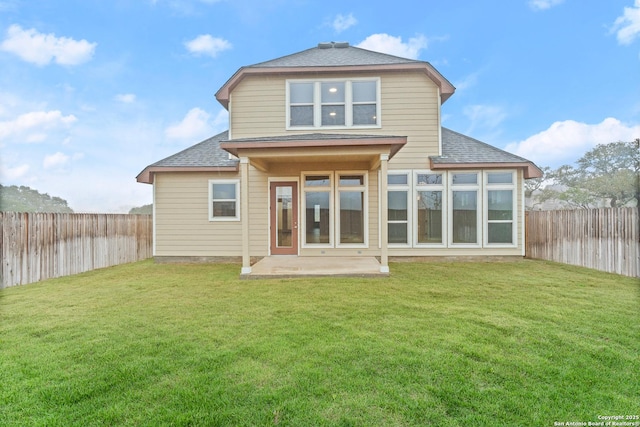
column 606, row 239
column 38, row 246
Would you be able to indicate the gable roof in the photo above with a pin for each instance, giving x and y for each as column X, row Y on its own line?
column 461, row 151
column 205, row 156
column 335, row 57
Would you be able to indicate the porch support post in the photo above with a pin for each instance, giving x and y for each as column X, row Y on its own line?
column 244, row 214
column 384, row 214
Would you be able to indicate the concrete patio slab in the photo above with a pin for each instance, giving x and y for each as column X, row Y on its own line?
column 285, row 266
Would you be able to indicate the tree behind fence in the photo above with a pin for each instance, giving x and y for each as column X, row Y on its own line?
column 606, row 239
column 38, row 246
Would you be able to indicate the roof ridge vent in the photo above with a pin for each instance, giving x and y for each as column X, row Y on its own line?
column 329, row 45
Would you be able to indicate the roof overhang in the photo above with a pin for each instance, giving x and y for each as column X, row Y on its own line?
column 530, row 170
column 446, row 88
column 147, row 175
column 263, row 154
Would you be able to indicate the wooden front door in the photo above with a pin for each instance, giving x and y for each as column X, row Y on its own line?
column 284, row 218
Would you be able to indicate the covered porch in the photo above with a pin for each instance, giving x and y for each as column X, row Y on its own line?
column 269, row 155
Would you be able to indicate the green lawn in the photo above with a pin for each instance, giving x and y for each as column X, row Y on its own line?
column 524, row 343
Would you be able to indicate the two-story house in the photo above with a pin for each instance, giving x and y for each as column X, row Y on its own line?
column 337, row 151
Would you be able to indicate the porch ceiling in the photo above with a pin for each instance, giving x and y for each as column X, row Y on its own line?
column 263, row 153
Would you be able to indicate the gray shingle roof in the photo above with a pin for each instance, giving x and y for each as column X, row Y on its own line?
column 333, row 55
column 313, row 137
column 204, row 154
column 459, row 148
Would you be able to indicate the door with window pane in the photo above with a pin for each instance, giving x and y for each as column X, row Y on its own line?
column 284, row 218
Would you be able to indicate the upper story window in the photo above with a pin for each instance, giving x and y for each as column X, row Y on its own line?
column 333, row 103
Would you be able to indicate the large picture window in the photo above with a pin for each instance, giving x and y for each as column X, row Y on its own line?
column 224, row 200
column 333, row 103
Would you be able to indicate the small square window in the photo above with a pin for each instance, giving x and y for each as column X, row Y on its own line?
column 332, row 115
column 364, row 114
column 301, row 115
column 224, row 202
column 333, row 92
column 301, row 93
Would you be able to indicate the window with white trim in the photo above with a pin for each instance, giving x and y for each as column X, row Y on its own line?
column 351, row 209
column 317, row 206
column 500, row 208
column 224, row 200
column 333, row 103
column 335, row 209
column 398, row 209
column 430, row 208
column 464, row 227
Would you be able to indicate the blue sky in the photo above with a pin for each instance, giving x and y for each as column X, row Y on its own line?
column 93, row 91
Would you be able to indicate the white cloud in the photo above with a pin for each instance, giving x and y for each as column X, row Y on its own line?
column 341, row 22
column 543, row 4
column 41, row 49
column 126, row 98
column 207, row 45
column 486, row 117
column 221, row 121
column 194, row 126
column 55, row 161
column 394, row 46
column 11, row 174
column 33, row 123
column 627, row 26
column 467, row 82
column 566, row 141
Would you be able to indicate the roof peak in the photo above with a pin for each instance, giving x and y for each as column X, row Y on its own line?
column 334, row 45
column 332, row 54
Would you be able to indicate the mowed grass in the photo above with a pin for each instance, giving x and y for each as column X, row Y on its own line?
column 524, row 343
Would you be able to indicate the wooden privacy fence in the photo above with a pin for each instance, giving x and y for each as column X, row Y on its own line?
column 606, row 239
column 38, row 246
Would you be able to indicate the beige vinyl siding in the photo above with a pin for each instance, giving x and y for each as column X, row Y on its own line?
column 258, row 213
column 410, row 107
column 258, row 107
column 409, row 101
column 182, row 226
